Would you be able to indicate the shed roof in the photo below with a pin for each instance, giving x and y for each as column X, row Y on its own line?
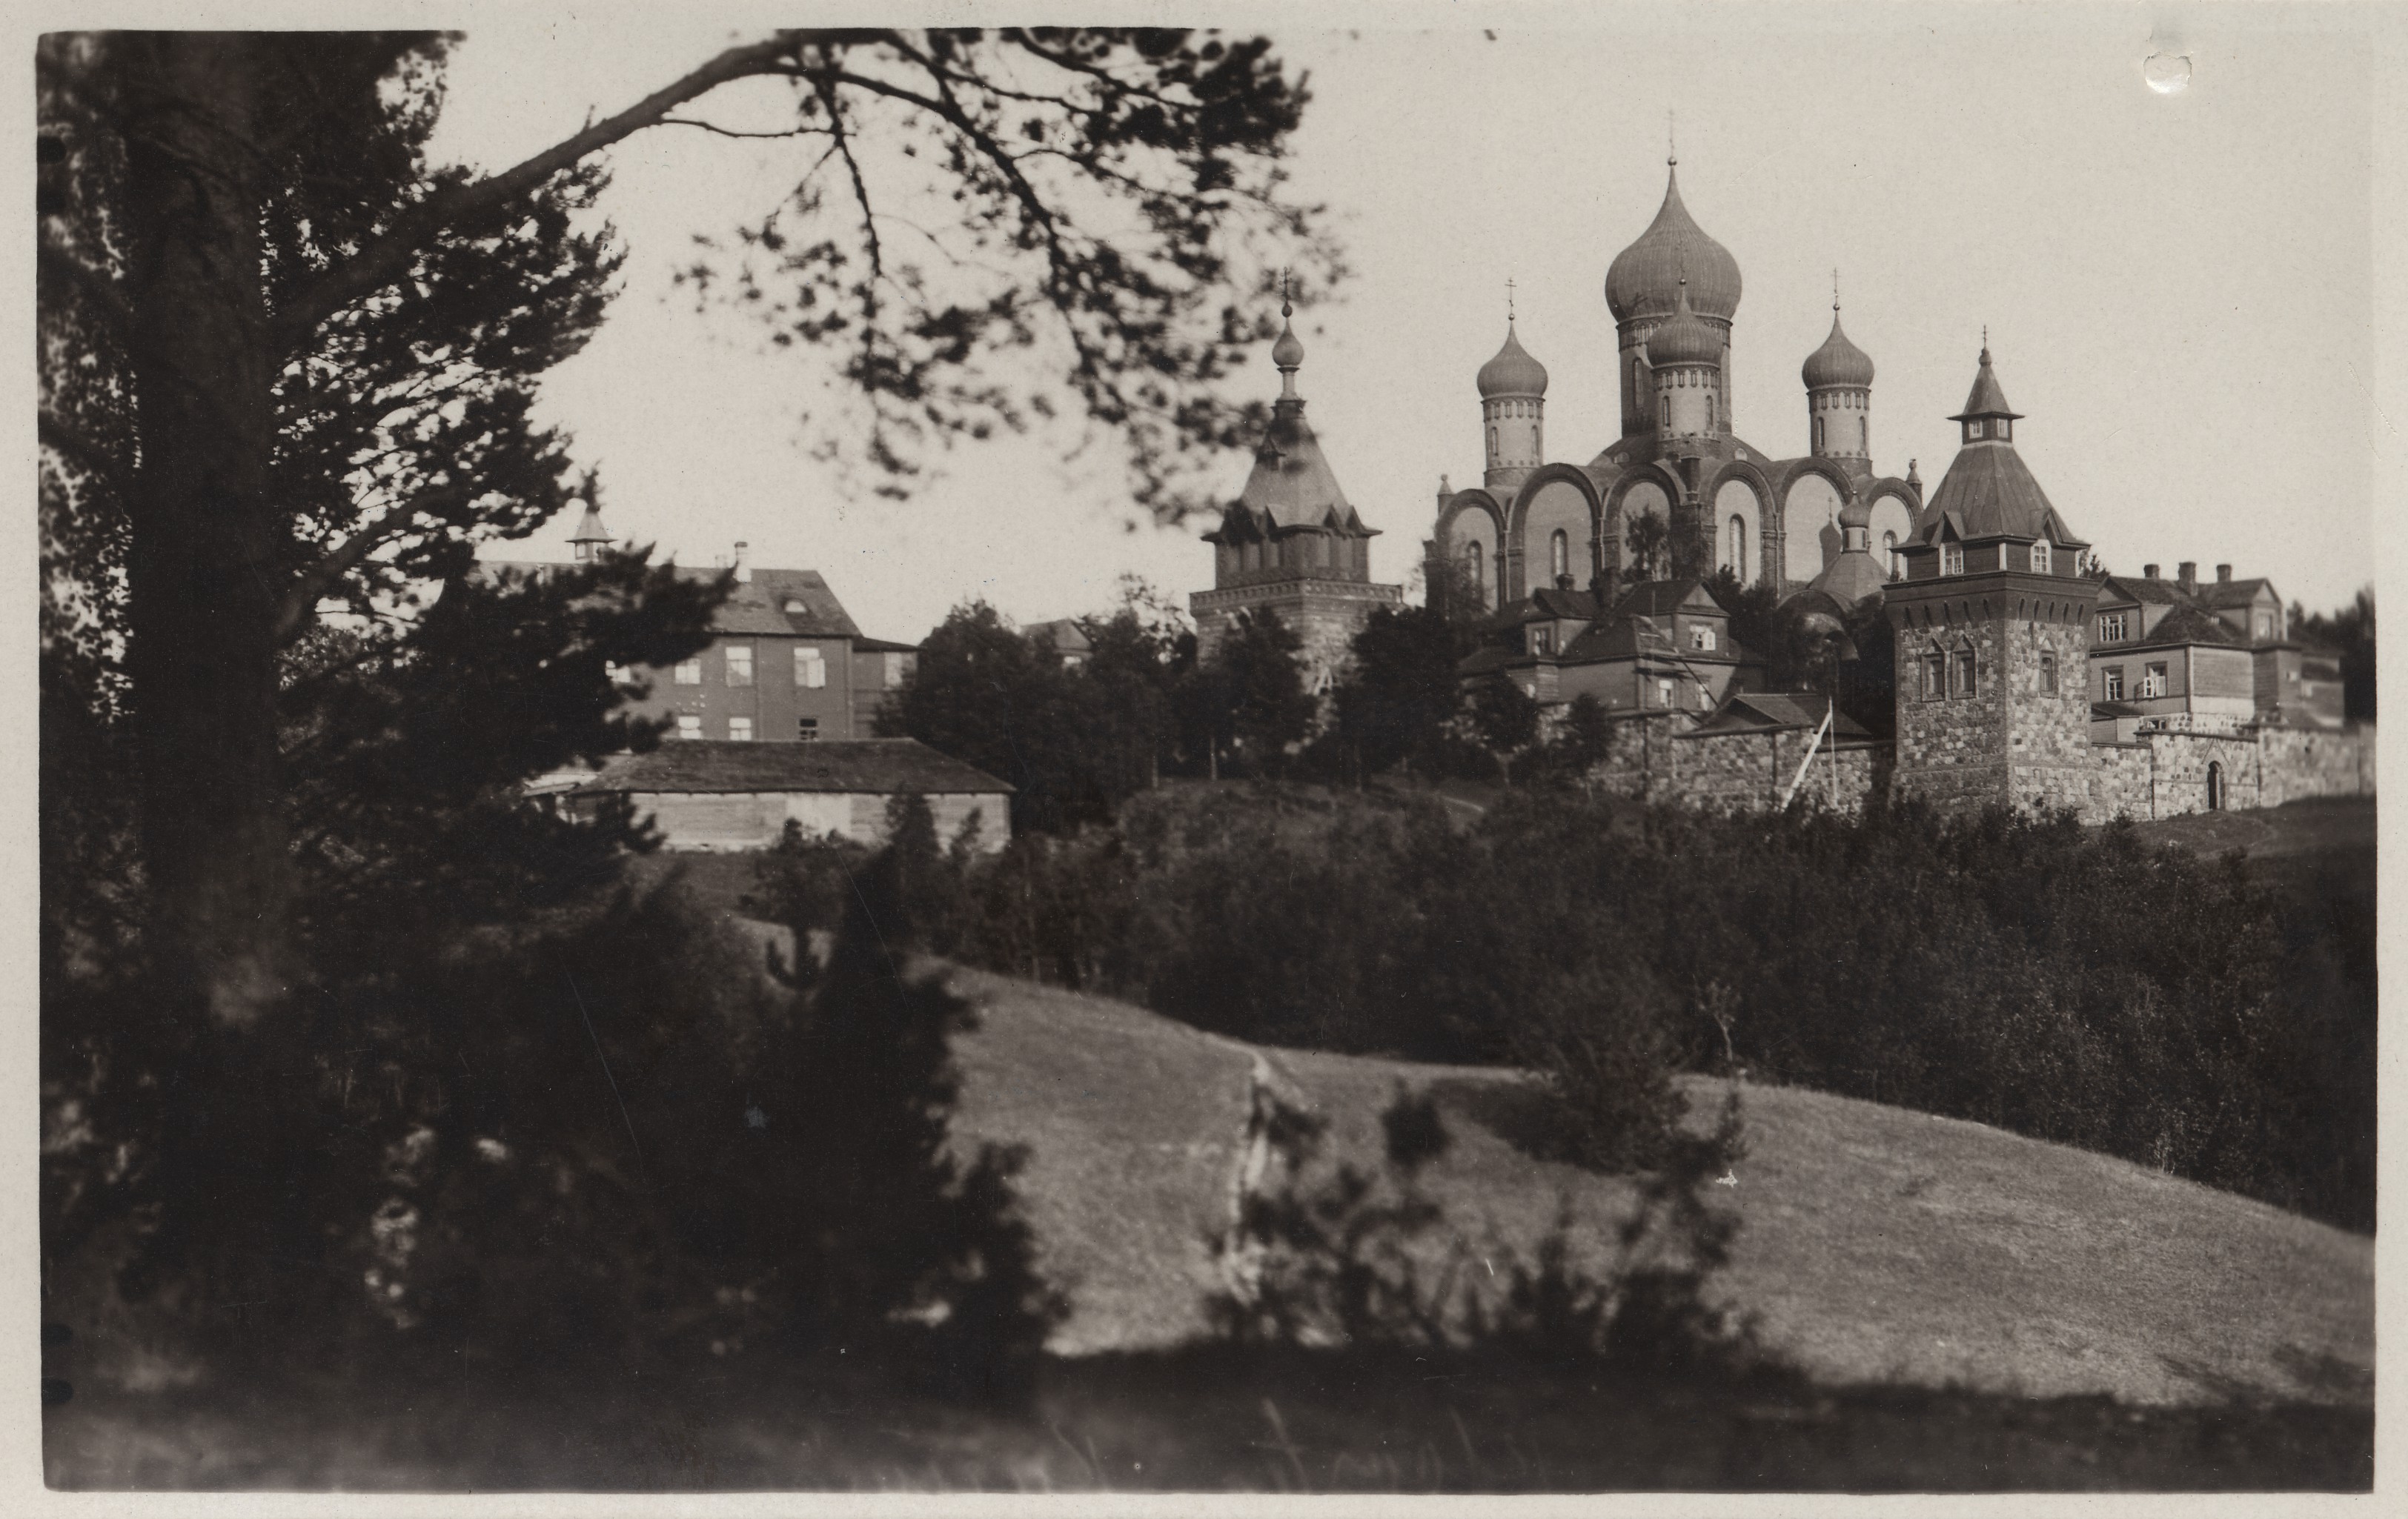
column 1766, row 711
column 881, row 766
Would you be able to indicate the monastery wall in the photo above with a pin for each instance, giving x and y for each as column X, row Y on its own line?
column 2315, row 762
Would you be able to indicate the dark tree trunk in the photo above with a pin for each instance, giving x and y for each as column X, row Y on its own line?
column 204, row 564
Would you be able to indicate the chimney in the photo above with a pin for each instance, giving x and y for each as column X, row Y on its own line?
column 2189, row 579
column 743, row 570
column 2224, row 574
column 2148, row 572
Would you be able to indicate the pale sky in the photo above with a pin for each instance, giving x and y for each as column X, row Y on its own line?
column 2178, row 287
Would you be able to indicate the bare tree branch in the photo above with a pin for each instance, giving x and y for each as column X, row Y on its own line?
column 302, row 597
column 388, row 258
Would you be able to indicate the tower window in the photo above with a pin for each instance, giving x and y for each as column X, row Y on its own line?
column 1492, row 442
column 2047, row 674
column 1818, row 434
column 1559, row 554
column 1935, row 678
column 1710, row 410
column 1951, row 559
column 1667, row 413
column 1964, row 662
column 2040, row 558
column 2002, row 425
column 1889, row 551
column 1663, row 693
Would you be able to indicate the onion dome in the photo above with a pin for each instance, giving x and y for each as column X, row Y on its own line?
column 1288, row 353
column 1857, row 513
column 1986, row 399
column 1644, row 278
column 1512, row 371
column 1838, row 361
column 1683, row 338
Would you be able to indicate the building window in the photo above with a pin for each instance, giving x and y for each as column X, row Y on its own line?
column 2111, row 627
column 2040, row 558
column 616, row 673
column 1559, row 554
column 795, row 606
column 741, row 729
column 1964, row 661
column 740, row 663
column 1667, row 414
column 1709, row 411
column 1541, row 640
column 1701, row 639
column 1491, row 443
column 2048, row 675
column 1818, row 434
column 2153, row 679
column 893, row 671
column 810, row 668
column 2111, row 683
column 1664, row 693
column 1474, row 564
column 807, row 728
column 1705, row 700
column 1935, row 678
column 689, row 726
column 1735, row 547
column 2000, row 429
column 1951, row 559
column 689, row 672
column 2265, row 625
column 1889, row 551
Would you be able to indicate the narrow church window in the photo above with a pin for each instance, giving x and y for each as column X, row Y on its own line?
column 1560, row 554
column 2002, row 424
column 1935, row 678
column 1492, row 442
column 1965, row 673
column 1818, row 434
column 1667, row 413
column 1735, row 550
column 1709, row 409
column 1472, row 558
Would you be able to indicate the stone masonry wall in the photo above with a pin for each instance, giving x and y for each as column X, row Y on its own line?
column 2012, row 740
column 2315, row 762
column 1324, row 615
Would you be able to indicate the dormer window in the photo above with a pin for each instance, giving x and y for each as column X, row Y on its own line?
column 2001, row 426
column 1951, row 559
column 2111, row 627
column 794, row 607
column 1543, row 640
column 2039, row 559
column 1702, row 639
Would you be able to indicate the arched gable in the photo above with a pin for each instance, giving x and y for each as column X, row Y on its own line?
column 1546, row 474
column 1891, row 506
column 1740, row 490
column 1473, row 520
column 1811, row 492
column 1553, row 498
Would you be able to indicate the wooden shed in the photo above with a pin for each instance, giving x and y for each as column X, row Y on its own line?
column 716, row 794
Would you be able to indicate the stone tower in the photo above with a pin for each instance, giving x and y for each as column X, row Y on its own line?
column 1291, row 544
column 1992, row 629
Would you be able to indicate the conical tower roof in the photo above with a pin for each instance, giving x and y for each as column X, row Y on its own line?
column 1644, row 278
column 1985, row 399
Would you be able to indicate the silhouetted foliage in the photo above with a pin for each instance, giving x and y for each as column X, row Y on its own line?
column 1505, row 717
column 2350, row 633
column 1395, row 702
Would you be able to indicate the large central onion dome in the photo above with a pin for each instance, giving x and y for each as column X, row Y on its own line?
column 1683, row 338
column 1512, row 371
column 1838, row 361
column 1645, row 277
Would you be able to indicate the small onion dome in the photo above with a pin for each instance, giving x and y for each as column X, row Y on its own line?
column 1288, row 353
column 1838, row 361
column 1857, row 513
column 1512, row 371
column 1644, row 278
column 1683, row 338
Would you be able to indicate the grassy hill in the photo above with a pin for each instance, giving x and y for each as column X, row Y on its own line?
column 1877, row 1243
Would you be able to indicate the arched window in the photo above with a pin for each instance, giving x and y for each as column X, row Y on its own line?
column 1492, row 442
column 1735, row 547
column 1889, row 552
column 1818, row 434
column 1474, row 564
column 1667, row 414
column 1865, row 435
column 1560, row 554
column 1710, row 410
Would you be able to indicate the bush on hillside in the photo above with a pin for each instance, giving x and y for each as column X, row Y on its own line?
column 2070, row 983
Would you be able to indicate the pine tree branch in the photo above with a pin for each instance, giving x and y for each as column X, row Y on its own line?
column 388, row 258
column 302, row 597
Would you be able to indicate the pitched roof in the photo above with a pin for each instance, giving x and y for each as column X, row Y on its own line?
column 1661, row 598
column 1985, row 399
column 2221, row 593
column 849, row 765
column 1544, row 604
column 756, row 606
column 1063, row 635
column 2143, row 588
column 2185, row 623
column 1765, row 712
